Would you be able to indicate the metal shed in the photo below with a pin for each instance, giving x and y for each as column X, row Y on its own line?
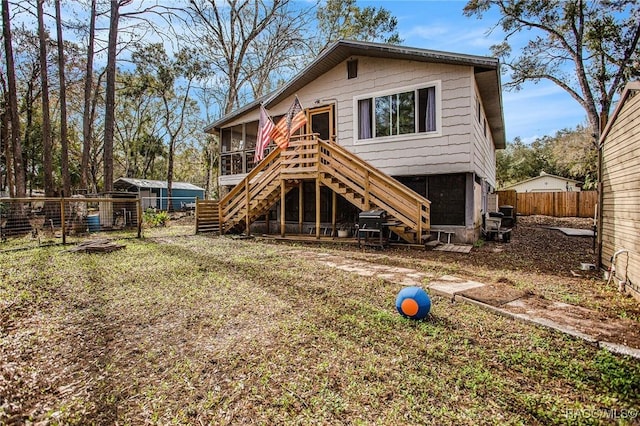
column 153, row 193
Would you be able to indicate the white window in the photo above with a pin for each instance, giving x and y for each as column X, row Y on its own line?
column 408, row 111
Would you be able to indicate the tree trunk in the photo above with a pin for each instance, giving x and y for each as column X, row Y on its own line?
column 87, row 127
column 64, row 143
column 30, row 146
column 172, row 146
column 110, row 101
column 46, row 119
column 4, row 135
column 16, row 145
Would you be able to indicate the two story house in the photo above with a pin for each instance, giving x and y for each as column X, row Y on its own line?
column 410, row 131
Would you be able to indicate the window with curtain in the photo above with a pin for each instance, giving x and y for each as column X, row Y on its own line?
column 403, row 113
column 364, row 115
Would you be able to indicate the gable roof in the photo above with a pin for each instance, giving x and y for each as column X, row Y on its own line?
column 631, row 88
column 487, row 71
column 542, row 176
column 148, row 183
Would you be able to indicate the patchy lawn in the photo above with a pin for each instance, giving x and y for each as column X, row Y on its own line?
column 198, row 330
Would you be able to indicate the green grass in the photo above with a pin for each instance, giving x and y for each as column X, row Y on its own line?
column 217, row 331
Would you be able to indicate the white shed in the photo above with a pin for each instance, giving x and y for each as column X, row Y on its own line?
column 546, row 183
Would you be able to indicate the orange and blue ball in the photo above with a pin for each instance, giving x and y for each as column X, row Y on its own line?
column 413, row 303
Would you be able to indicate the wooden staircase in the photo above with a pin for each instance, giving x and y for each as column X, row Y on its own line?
column 331, row 165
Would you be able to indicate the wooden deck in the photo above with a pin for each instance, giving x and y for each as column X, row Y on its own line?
column 326, row 164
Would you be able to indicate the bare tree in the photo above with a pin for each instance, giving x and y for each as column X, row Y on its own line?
column 6, row 178
column 230, row 31
column 87, row 118
column 110, row 95
column 265, row 62
column 588, row 48
column 16, row 145
column 344, row 19
column 64, row 142
column 46, row 119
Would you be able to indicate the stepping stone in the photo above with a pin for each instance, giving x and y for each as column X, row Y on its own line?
column 451, row 288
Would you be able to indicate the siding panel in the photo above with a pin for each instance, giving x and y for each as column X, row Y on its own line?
column 419, row 153
column 621, row 189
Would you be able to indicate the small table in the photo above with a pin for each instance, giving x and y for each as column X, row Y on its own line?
column 387, row 225
column 369, row 235
column 442, row 231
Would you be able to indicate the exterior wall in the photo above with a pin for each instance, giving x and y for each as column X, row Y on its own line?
column 545, row 184
column 621, row 192
column 179, row 196
column 458, row 146
column 448, row 151
column 482, row 146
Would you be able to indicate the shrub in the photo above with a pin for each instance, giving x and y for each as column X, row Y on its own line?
column 155, row 219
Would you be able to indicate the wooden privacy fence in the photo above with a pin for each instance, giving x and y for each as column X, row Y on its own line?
column 207, row 216
column 558, row 204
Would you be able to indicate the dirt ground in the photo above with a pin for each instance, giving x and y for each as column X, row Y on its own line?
column 198, row 330
column 539, row 264
column 542, row 266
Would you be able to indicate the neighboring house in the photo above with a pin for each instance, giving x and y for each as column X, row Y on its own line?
column 620, row 195
column 546, row 183
column 153, row 193
column 432, row 120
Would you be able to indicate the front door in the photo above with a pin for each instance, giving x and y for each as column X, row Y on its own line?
column 322, row 122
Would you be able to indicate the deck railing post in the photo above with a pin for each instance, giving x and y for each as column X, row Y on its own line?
column 139, row 215
column 300, row 207
column 419, row 234
column 62, row 221
column 283, row 192
column 367, row 188
column 334, row 202
column 197, row 213
column 318, row 208
column 248, row 202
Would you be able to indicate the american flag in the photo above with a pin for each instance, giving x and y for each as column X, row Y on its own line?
column 294, row 119
column 265, row 126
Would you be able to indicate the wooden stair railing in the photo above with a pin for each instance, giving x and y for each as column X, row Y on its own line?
column 261, row 182
column 308, row 157
column 260, row 189
column 367, row 188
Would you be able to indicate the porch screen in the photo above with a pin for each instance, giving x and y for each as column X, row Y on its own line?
column 447, row 194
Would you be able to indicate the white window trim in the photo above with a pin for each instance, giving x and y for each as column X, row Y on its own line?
column 410, row 136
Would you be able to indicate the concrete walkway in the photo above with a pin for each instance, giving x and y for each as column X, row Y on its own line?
column 520, row 305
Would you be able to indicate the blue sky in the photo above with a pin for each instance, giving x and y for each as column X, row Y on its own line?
column 536, row 110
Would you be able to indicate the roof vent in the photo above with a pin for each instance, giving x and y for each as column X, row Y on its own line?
column 352, row 68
